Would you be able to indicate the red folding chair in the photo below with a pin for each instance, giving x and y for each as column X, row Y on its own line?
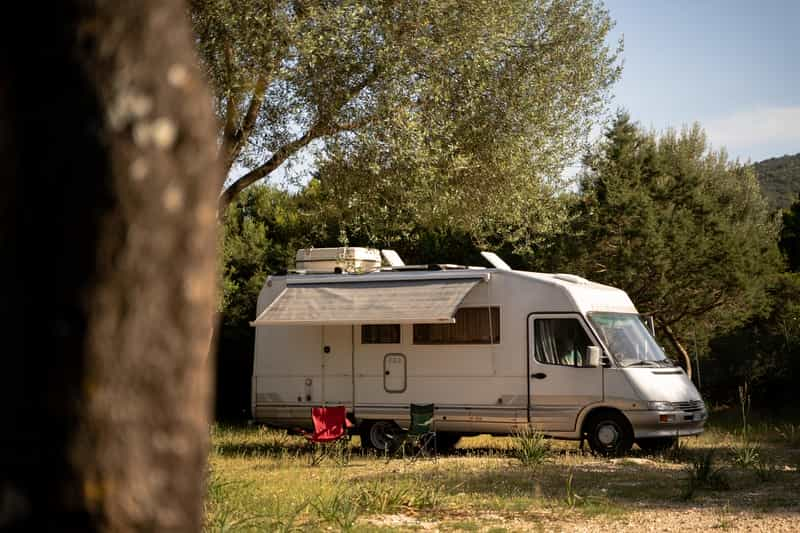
column 330, row 425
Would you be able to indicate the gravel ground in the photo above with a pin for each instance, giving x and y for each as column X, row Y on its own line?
column 692, row 519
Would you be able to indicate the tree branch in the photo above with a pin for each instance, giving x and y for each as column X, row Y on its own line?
column 234, row 141
column 263, row 170
column 678, row 346
column 230, row 103
column 320, row 129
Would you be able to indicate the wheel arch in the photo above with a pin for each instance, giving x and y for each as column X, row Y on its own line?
column 597, row 410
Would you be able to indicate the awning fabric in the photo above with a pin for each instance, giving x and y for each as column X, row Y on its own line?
column 376, row 302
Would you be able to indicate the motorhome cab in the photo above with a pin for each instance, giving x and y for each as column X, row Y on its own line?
column 493, row 349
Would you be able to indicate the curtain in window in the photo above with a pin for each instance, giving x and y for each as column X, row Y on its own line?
column 560, row 341
column 546, row 350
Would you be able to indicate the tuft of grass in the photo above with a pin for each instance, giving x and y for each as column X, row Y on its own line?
column 224, row 513
column 703, row 474
column 789, row 433
column 338, row 509
column 747, row 454
column 380, row 497
column 572, row 498
column 530, row 447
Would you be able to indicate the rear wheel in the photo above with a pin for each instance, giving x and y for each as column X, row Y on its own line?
column 383, row 435
column 658, row 444
column 609, row 433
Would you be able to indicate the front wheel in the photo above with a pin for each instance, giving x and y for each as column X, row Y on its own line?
column 383, row 435
column 609, row 434
column 658, row 444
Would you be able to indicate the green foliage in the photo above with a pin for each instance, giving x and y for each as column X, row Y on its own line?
column 440, row 111
column 747, row 454
column 260, row 235
column 506, row 103
column 790, row 233
column 530, row 447
column 789, row 433
column 780, row 179
column 765, row 351
column 686, row 233
column 338, row 509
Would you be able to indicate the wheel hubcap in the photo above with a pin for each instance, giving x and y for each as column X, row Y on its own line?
column 607, row 434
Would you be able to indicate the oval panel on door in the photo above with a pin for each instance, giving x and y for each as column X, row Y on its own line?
column 394, row 372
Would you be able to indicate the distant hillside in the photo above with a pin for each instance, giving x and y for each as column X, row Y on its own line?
column 780, row 179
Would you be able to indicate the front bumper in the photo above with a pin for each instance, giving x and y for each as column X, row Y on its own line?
column 650, row 424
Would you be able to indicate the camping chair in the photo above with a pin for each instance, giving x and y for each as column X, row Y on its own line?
column 330, row 426
column 421, row 431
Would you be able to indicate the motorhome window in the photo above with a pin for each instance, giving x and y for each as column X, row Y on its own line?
column 474, row 325
column 380, row 334
column 628, row 339
column 560, row 341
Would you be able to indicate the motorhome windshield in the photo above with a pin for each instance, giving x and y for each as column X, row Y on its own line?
column 628, row 339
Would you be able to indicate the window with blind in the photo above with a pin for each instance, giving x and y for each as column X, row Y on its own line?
column 474, row 325
column 380, row 334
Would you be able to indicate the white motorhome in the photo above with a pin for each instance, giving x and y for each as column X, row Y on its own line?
column 493, row 349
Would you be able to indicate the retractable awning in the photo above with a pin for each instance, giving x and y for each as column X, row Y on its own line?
column 376, row 302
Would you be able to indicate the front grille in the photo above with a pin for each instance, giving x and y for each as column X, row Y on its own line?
column 694, row 405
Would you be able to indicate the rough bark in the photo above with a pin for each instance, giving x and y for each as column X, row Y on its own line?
column 107, row 144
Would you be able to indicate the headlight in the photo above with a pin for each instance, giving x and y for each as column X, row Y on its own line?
column 659, row 406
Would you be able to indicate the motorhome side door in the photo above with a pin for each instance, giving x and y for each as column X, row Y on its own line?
column 337, row 365
column 560, row 384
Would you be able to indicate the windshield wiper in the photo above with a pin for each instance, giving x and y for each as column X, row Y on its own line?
column 645, row 362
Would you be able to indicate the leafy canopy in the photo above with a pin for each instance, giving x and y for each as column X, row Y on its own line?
column 461, row 109
column 684, row 231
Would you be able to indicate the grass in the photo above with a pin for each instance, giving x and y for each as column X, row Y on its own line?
column 262, row 480
column 530, row 447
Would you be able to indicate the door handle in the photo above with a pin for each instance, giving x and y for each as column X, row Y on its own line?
column 539, row 375
column 387, row 372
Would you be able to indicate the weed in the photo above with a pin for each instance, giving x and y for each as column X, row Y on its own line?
column 678, row 453
column 380, row 497
column 790, row 434
column 571, row 498
column 702, row 474
column 744, row 405
column 340, row 509
column 222, row 515
column 747, row 454
column 530, row 447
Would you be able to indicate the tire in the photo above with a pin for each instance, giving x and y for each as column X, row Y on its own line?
column 657, row 444
column 383, row 435
column 609, row 434
column 446, row 441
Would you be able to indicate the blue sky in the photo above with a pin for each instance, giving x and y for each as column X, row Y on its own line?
column 733, row 66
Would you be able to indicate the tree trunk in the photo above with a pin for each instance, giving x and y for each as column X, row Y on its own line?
column 678, row 346
column 107, row 142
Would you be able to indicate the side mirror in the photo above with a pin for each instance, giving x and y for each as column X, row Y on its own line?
column 593, row 353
